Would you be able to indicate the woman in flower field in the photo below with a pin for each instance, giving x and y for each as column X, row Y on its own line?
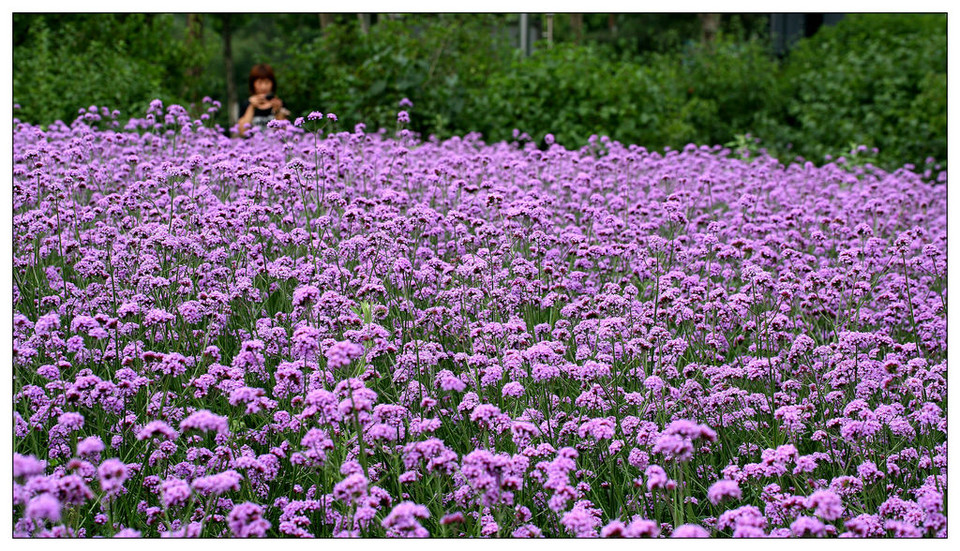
column 327, row 333
column 263, row 105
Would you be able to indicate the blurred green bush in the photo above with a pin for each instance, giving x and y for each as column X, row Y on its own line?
column 875, row 80
column 121, row 62
column 438, row 65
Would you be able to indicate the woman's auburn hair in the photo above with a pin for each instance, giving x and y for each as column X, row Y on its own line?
column 262, row 71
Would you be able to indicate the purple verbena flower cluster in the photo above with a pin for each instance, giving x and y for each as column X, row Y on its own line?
column 319, row 333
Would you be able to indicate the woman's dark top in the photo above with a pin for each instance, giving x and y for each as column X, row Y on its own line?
column 260, row 116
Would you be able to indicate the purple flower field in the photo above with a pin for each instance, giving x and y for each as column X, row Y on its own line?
column 326, row 333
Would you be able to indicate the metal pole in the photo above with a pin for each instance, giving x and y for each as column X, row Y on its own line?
column 550, row 29
column 525, row 33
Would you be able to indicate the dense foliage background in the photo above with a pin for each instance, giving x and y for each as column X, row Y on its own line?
column 875, row 80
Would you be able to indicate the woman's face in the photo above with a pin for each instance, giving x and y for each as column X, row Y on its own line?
column 262, row 86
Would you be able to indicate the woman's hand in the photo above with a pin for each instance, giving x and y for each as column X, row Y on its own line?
column 260, row 101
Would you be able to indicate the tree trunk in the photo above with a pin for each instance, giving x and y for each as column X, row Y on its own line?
column 709, row 26
column 364, row 22
column 232, row 100
column 193, row 38
column 326, row 19
column 576, row 25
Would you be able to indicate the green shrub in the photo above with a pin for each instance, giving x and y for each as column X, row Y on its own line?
column 361, row 78
column 706, row 95
column 738, row 80
column 121, row 62
column 573, row 92
column 889, row 91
